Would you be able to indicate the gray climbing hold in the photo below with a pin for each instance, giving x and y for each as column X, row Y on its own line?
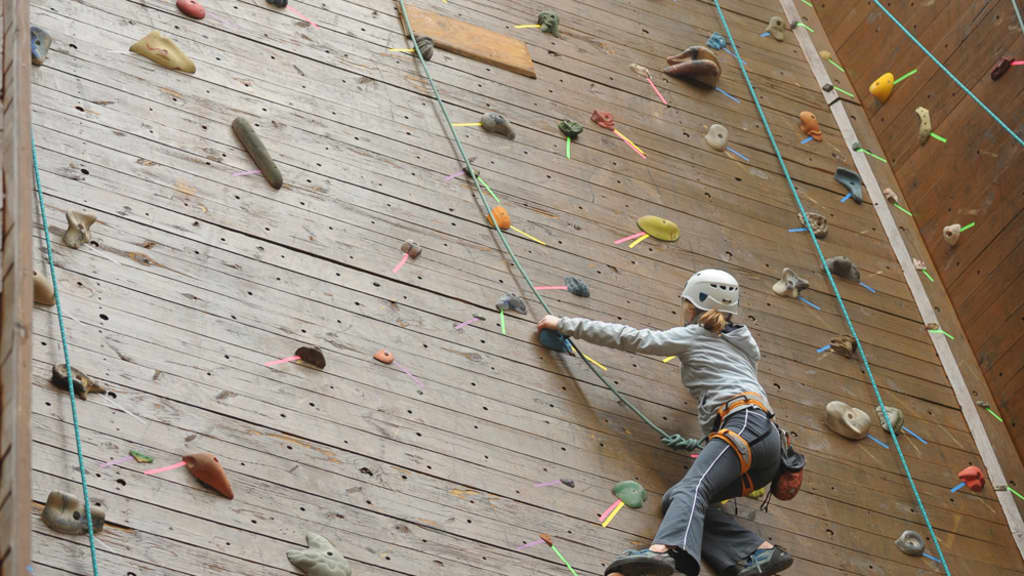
column 847, row 421
column 790, row 284
column 843, row 345
column 895, row 417
column 83, row 384
column 910, row 543
column 548, row 22
column 569, row 483
column 851, row 181
column 426, row 46
column 465, row 169
column 512, row 303
column 716, row 41
column 78, row 228
column 40, row 44
column 552, row 340
column 818, row 224
column 632, row 493
column 951, row 234
column 717, row 137
column 577, row 287
column 320, row 559
column 278, row 3
column 254, row 146
column 777, row 28
column 843, row 267
column 497, row 124
column 65, row 513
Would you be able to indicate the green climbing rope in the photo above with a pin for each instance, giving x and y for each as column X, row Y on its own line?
column 67, row 356
column 674, row 440
column 835, row 288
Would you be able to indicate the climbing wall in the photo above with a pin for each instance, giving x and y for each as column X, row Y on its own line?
column 202, row 280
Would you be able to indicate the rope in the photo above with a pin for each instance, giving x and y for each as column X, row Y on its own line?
column 950, row 74
column 1020, row 21
column 67, row 358
column 501, row 235
column 835, row 289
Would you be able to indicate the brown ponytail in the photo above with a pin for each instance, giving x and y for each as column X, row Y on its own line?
column 713, row 321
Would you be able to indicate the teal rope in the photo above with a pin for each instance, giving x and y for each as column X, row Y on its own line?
column 1020, row 21
column 835, row 289
column 950, row 74
column 67, row 358
column 501, row 234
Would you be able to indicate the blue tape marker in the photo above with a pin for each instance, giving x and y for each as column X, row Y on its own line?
column 806, row 140
column 911, row 432
column 798, row 229
column 879, row 442
column 957, row 487
column 823, row 348
column 809, row 303
column 734, row 151
column 764, row 34
column 870, row 289
column 847, row 197
column 930, row 557
column 731, row 97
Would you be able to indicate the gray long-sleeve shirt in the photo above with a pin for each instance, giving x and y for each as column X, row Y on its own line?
column 715, row 368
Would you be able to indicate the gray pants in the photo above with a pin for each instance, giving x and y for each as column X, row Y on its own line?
column 692, row 524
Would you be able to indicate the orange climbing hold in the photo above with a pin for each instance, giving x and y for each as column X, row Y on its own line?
column 973, row 477
column 809, row 125
column 500, row 215
column 207, row 469
column 383, row 356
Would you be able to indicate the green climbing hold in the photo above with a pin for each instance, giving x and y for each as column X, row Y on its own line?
column 659, row 228
column 570, row 129
column 548, row 22
column 254, row 146
column 140, row 457
column 631, row 493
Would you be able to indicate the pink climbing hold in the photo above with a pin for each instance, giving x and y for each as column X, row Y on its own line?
column 192, row 9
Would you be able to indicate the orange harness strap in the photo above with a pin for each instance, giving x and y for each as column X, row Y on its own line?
column 738, row 401
column 742, row 449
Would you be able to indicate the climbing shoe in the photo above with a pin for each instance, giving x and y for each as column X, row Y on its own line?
column 642, row 563
column 762, row 563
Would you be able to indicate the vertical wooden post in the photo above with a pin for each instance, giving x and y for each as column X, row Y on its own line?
column 16, row 300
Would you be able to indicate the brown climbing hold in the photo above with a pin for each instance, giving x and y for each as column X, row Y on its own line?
column 777, row 28
column 951, row 234
column 412, row 249
column 207, row 469
column 383, row 356
column 696, row 64
column 843, row 267
column 1002, row 68
column 809, row 125
column 499, row 214
column 717, row 137
column 882, row 87
column 42, row 291
column 847, row 421
column 78, row 228
column 83, row 384
column 973, row 477
column 497, row 124
column 312, row 356
column 192, row 9
column 65, row 513
column 790, row 284
column 924, row 129
column 890, row 195
column 426, row 46
column 254, row 146
column 547, row 539
column 843, row 345
column 164, row 52
column 818, row 224
column 603, row 119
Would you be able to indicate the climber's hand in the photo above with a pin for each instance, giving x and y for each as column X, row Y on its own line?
column 677, row 442
column 548, row 322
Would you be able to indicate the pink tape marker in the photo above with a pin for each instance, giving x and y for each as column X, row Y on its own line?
column 543, row 484
column 164, row 469
column 453, row 175
column 281, row 361
column 656, row 91
column 466, row 323
column 410, row 374
column 299, row 14
column 630, row 237
column 116, row 461
column 405, row 258
column 608, row 511
column 528, row 544
column 1017, row 63
column 551, row 287
column 246, row 173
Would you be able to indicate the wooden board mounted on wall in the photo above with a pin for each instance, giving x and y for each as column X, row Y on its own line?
column 472, row 41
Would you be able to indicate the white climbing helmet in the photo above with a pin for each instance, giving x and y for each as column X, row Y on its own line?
column 713, row 289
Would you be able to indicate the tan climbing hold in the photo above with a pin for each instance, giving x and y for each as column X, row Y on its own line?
column 82, row 383
column 42, row 290
column 312, row 356
column 843, row 345
column 641, row 70
column 658, row 227
column 412, row 249
column 951, row 234
column 383, row 356
column 164, row 52
column 890, row 195
column 818, row 224
column 847, row 421
column 924, row 129
column 696, row 64
column 919, row 264
column 895, row 417
column 207, row 469
column 717, row 137
column 65, row 513
column 78, row 228
column 777, row 28
column 882, row 87
column 790, row 284
column 500, row 215
column 824, row 54
column 809, row 125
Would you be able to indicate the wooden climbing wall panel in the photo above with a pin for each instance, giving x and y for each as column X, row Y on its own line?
column 199, row 275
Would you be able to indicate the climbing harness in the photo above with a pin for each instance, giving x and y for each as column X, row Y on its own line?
column 828, row 273
column 739, row 445
column 67, row 356
column 734, row 403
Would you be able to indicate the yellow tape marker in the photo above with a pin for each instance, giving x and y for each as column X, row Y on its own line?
column 594, row 362
column 669, row 359
column 401, row 49
column 639, row 240
column 527, row 26
column 528, row 236
column 461, row 124
column 611, row 516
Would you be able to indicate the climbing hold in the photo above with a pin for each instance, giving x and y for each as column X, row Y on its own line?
column 895, row 418
column 659, row 228
column 757, row 494
column 843, row 345
column 254, row 146
column 41, row 41
column 426, row 46
column 777, row 28
column 631, row 493
column 192, row 9
column 312, row 356
column 603, row 119
column 818, row 224
column 78, row 228
column 570, row 129
column 500, row 215
column 65, row 513
column 924, row 130
column 552, row 340
column 321, row 558
column 383, row 356
column 973, row 477
column 511, row 303
column 910, row 543
column 548, row 22
column 716, row 41
column 843, row 267
column 951, row 234
column 847, row 421
column 207, row 469
column 696, row 64
column 497, row 124
column 547, row 539
column 569, row 483
column 42, row 291
column 882, row 87
column 278, row 3
column 824, row 54
column 919, row 264
column 412, row 249
column 852, row 182
column 890, row 195
column 82, row 383
column 1002, row 68
column 790, row 284
column 717, row 137
column 164, row 52
column 641, row 70
column 466, row 169
column 809, row 125
column 140, row 457
column 577, row 287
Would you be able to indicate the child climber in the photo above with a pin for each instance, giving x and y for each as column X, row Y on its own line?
column 743, row 453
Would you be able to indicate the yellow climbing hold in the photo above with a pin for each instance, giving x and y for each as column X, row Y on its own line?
column 659, row 228
column 882, row 88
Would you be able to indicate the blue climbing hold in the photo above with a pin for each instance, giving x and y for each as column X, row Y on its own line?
column 554, row 341
column 716, row 41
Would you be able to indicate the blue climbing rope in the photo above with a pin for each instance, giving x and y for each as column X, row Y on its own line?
column 67, row 357
column 950, row 74
column 835, row 289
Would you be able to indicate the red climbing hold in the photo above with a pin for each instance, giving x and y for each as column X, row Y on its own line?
column 603, row 119
column 207, row 469
column 192, row 8
column 973, row 477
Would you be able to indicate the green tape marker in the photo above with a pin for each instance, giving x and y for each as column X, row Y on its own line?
column 928, row 276
column 937, row 137
column 905, row 76
column 568, row 143
column 569, row 566
column 968, row 227
column 1000, row 419
column 501, row 315
column 1010, row 488
column 802, row 25
column 875, row 156
column 904, row 210
column 833, row 62
column 488, row 188
column 841, row 91
column 808, row 3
